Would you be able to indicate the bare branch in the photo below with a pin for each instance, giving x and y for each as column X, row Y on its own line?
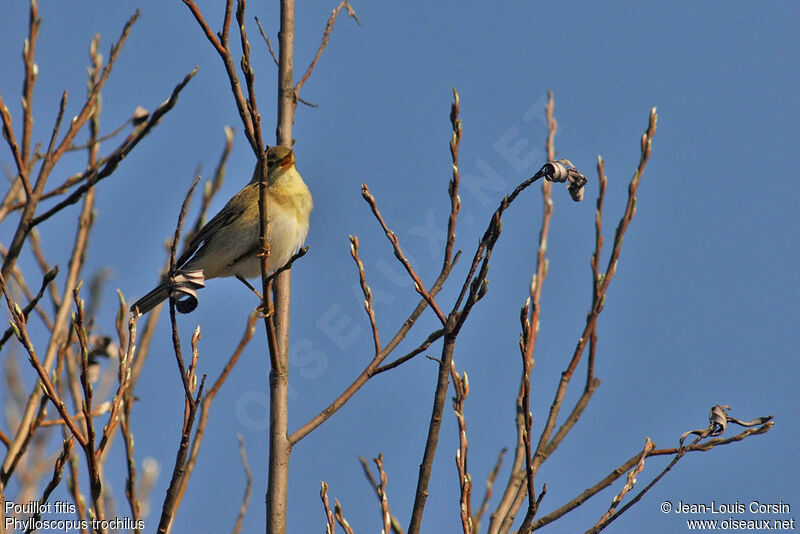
column 432, row 441
column 372, row 367
column 269, row 44
column 455, row 200
column 461, row 386
column 340, row 517
column 398, row 252
column 649, row 446
column 386, row 515
column 330, row 522
column 623, row 468
column 604, row 280
column 176, row 343
column 419, row 350
column 325, row 37
column 113, row 161
column 48, row 277
column 205, row 405
column 396, row 528
column 21, row 331
column 248, row 486
column 130, row 481
column 476, row 517
column 221, row 46
column 367, row 292
column 58, row 472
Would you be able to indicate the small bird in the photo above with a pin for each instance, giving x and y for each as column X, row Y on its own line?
column 228, row 244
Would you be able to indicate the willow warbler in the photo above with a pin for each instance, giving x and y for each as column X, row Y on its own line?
column 228, row 244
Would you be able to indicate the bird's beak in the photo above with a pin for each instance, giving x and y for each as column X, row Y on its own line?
column 287, row 161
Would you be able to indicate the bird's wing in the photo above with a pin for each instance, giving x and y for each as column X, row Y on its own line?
column 232, row 211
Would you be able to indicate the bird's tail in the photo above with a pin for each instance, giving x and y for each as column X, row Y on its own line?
column 152, row 299
column 184, row 289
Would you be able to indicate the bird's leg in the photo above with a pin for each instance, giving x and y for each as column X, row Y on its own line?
column 262, row 311
column 250, row 286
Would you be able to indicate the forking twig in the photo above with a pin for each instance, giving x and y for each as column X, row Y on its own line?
column 474, row 288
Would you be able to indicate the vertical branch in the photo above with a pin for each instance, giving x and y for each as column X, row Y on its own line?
column 396, row 528
column 386, row 515
column 337, row 510
column 504, row 515
column 130, row 463
column 279, row 445
column 205, row 405
column 455, row 200
column 92, row 459
column 432, row 442
column 592, row 382
column 546, row 445
column 330, row 522
column 476, row 518
column 237, row 527
column 189, row 381
column 461, row 385
column 31, row 73
column 362, row 278
column 527, row 367
column 286, row 92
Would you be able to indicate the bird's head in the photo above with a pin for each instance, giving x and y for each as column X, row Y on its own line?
column 279, row 160
column 279, row 157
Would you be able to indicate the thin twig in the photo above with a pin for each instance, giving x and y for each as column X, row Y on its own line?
column 130, row 463
column 436, row 334
column 222, row 47
column 212, row 187
column 93, row 459
column 477, row 516
column 113, row 161
column 604, row 280
column 623, row 468
column 373, row 365
column 21, row 331
column 396, row 528
column 330, row 521
column 58, row 472
column 187, row 389
column 237, row 527
column 205, row 405
column 340, row 517
column 48, row 277
column 188, row 379
column 631, row 480
column 461, row 386
column 362, row 278
column 169, row 507
column 398, row 252
column 452, row 190
column 386, row 515
column 325, row 37
column 527, row 367
column 269, row 44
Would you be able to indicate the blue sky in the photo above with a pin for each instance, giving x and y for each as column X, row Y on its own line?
column 703, row 309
